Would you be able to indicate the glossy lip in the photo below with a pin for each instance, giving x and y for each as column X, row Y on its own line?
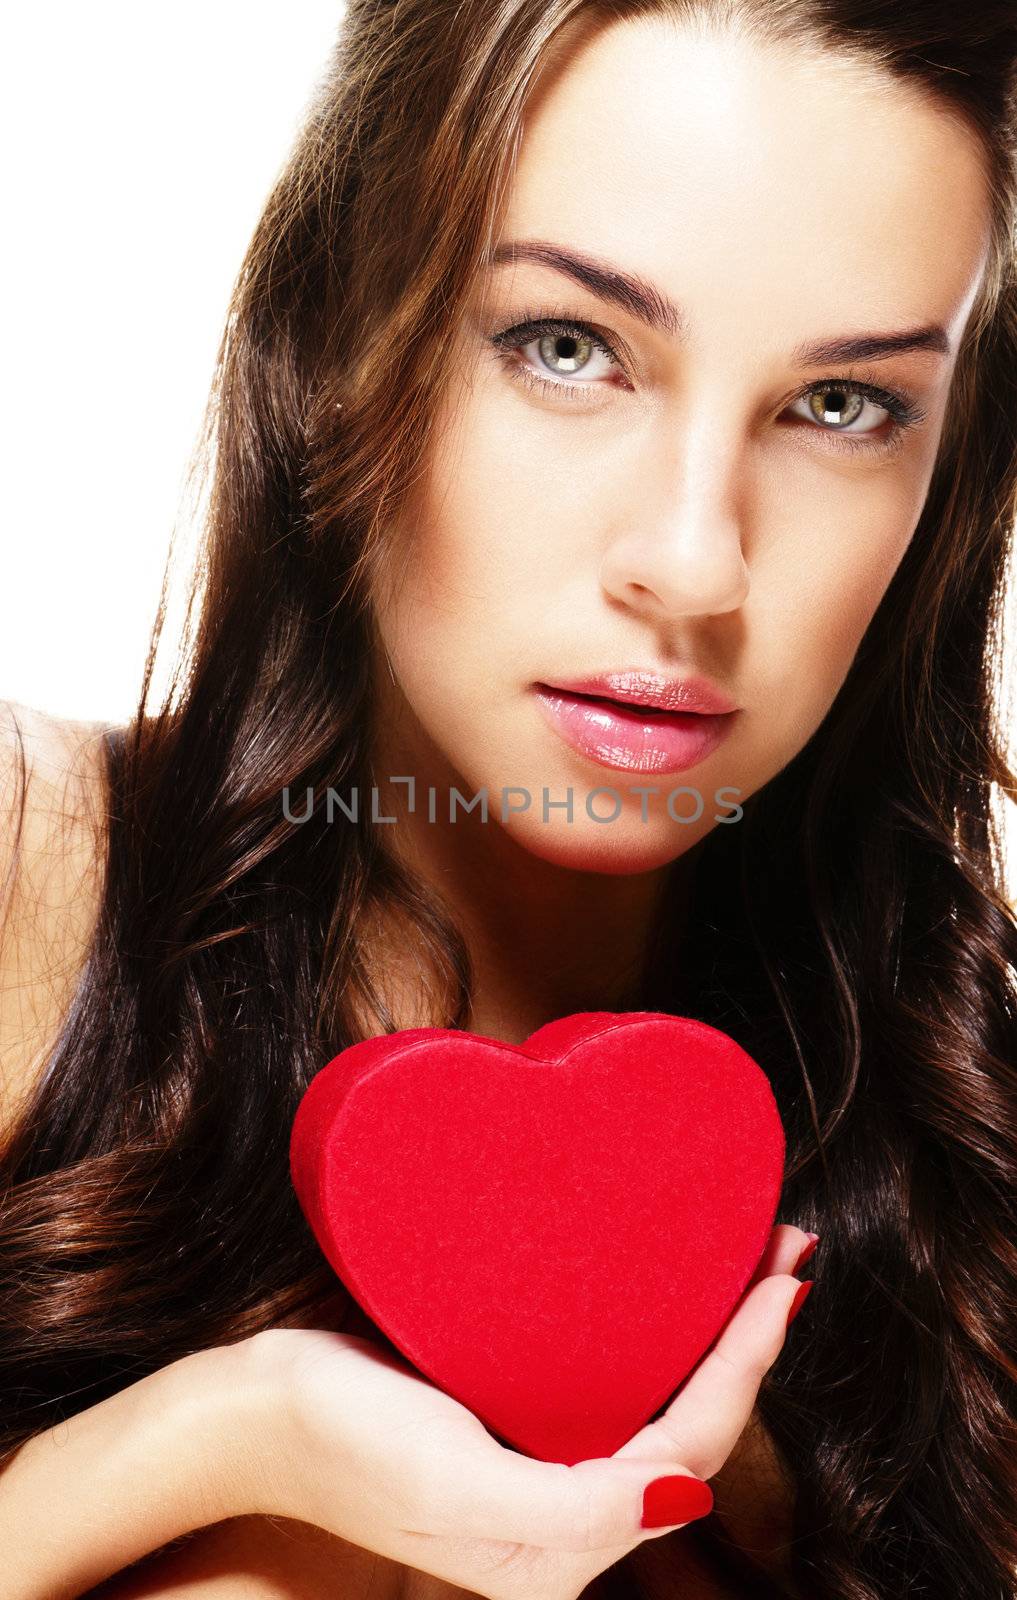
column 641, row 686
column 630, row 737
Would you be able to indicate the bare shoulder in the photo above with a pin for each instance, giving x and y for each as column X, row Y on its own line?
column 52, row 837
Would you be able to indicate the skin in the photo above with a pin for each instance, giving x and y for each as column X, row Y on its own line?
column 685, row 512
column 685, row 520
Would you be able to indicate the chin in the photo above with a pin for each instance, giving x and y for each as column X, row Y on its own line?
column 615, row 848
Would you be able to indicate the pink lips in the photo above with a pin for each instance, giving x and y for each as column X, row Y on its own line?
column 635, row 721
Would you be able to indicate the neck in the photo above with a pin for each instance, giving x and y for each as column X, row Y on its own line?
column 545, row 940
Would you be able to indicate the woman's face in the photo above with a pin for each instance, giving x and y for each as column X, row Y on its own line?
column 672, row 482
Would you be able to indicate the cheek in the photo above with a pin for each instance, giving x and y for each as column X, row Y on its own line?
column 465, row 581
column 490, row 542
column 823, row 585
column 514, row 497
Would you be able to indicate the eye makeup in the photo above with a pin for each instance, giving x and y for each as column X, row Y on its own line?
column 509, row 344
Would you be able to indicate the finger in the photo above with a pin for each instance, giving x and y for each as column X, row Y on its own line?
column 782, row 1253
column 473, row 1487
column 711, row 1410
column 488, row 1491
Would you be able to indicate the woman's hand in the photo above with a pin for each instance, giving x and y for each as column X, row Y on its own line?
column 351, row 1439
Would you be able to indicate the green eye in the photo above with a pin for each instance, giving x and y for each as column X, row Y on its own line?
column 835, row 405
column 565, row 348
column 561, row 348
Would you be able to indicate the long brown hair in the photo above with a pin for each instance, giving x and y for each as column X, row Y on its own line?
column 851, row 931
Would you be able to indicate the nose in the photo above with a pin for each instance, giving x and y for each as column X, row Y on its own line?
column 679, row 552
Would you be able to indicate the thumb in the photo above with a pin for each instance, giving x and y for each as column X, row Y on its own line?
column 627, row 1497
column 593, row 1505
column 602, row 1502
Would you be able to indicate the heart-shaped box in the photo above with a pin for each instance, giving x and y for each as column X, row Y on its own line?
column 554, row 1232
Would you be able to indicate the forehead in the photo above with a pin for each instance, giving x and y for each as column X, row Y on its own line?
column 793, row 184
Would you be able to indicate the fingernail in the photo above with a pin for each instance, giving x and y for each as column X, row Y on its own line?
column 806, row 1253
column 799, row 1299
column 680, row 1498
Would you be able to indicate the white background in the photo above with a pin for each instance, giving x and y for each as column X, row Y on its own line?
column 139, row 143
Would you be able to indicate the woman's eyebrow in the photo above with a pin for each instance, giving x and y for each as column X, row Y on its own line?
column 644, row 300
column 606, row 281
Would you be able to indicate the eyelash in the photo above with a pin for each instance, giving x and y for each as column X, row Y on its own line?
column 903, row 409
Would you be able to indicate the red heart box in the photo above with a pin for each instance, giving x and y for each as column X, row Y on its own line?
column 554, row 1232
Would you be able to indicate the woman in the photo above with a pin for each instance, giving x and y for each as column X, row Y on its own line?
column 672, row 346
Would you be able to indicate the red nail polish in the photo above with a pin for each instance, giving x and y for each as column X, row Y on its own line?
column 799, row 1299
column 806, row 1253
column 679, row 1498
